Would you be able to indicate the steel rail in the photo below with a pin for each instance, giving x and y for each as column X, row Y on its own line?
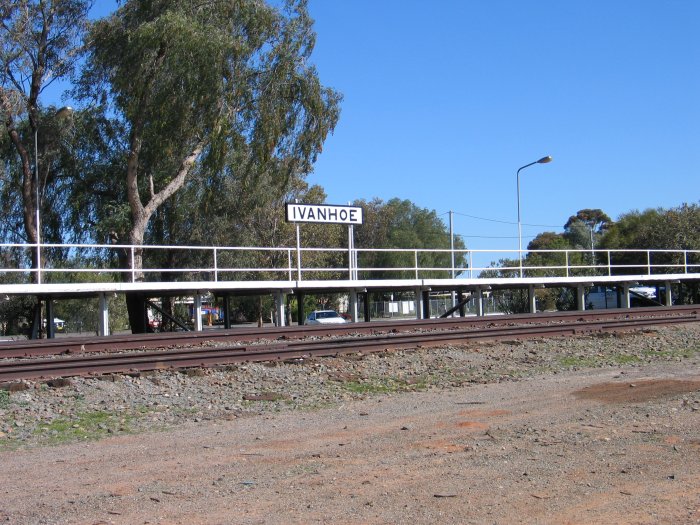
column 90, row 364
column 75, row 345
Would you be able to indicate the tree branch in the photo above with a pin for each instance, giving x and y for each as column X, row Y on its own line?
column 178, row 181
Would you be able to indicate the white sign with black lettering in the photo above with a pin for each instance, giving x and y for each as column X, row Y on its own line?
column 324, row 213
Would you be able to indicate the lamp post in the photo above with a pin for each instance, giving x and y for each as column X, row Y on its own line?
column 543, row 160
column 61, row 113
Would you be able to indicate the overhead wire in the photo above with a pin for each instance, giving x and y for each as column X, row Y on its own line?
column 500, row 220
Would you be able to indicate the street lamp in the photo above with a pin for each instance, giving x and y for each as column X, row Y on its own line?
column 61, row 113
column 543, row 160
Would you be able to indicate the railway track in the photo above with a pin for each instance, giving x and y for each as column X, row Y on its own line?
column 304, row 342
column 75, row 345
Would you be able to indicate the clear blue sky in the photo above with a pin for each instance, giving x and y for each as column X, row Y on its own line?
column 445, row 100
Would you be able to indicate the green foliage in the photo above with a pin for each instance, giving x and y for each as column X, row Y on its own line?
column 663, row 229
column 82, row 315
column 41, row 42
column 669, row 229
column 4, row 398
column 565, row 299
column 383, row 385
column 547, row 262
column 225, row 92
column 594, row 219
column 16, row 314
column 512, row 301
column 85, row 426
column 402, row 224
column 98, row 204
column 581, row 361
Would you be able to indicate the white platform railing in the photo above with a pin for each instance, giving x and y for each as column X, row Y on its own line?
column 63, row 263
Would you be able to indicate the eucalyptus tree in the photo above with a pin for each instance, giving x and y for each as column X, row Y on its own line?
column 675, row 228
column 197, row 84
column 258, row 219
column 550, row 264
column 40, row 42
column 404, row 225
column 586, row 227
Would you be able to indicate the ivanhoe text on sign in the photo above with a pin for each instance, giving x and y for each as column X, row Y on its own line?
column 324, row 213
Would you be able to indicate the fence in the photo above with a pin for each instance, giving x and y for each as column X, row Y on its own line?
column 67, row 263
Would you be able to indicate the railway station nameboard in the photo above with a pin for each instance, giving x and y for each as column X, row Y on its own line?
column 323, row 213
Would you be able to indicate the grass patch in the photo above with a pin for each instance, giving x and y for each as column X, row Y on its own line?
column 383, row 386
column 672, row 354
column 580, row 362
column 626, row 359
column 85, row 426
column 9, row 445
column 366, row 387
column 599, row 361
column 4, row 399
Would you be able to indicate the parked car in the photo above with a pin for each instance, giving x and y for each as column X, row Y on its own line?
column 324, row 317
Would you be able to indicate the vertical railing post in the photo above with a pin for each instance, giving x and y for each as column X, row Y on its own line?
column 133, row 264
column 216, row 266
column 685, row 261
column 289, row 262
column 648, row 262
column 609, row 263
column 356, row 263
column 566, row 261
column 350, row 247
column 452, row 254
column 471, row 265
column 298, row 254
column 415, row 261
column 38, row 259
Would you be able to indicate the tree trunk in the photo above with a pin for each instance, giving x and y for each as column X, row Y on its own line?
column 140, row 215
column 136, row 307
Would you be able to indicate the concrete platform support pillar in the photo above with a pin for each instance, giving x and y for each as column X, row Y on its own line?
column 368, row 312
column 426, row 304
column 581, row 297
column 50, row 327
column 227, row 311
column 532, row 299
column 625, row 296
column 37, row 330
column 353, row 306
column 668, row 299
column 197, row 313
column 479, row 302
column 300, row 308
column 103, row 315
column 419, row 303
column 280, row 301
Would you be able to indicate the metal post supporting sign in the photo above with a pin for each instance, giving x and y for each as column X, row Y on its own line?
column 298, row 254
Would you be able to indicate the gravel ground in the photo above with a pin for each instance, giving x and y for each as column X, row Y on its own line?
column 594, row 429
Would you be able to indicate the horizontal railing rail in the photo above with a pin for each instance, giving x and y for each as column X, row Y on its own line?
column 68, row 263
